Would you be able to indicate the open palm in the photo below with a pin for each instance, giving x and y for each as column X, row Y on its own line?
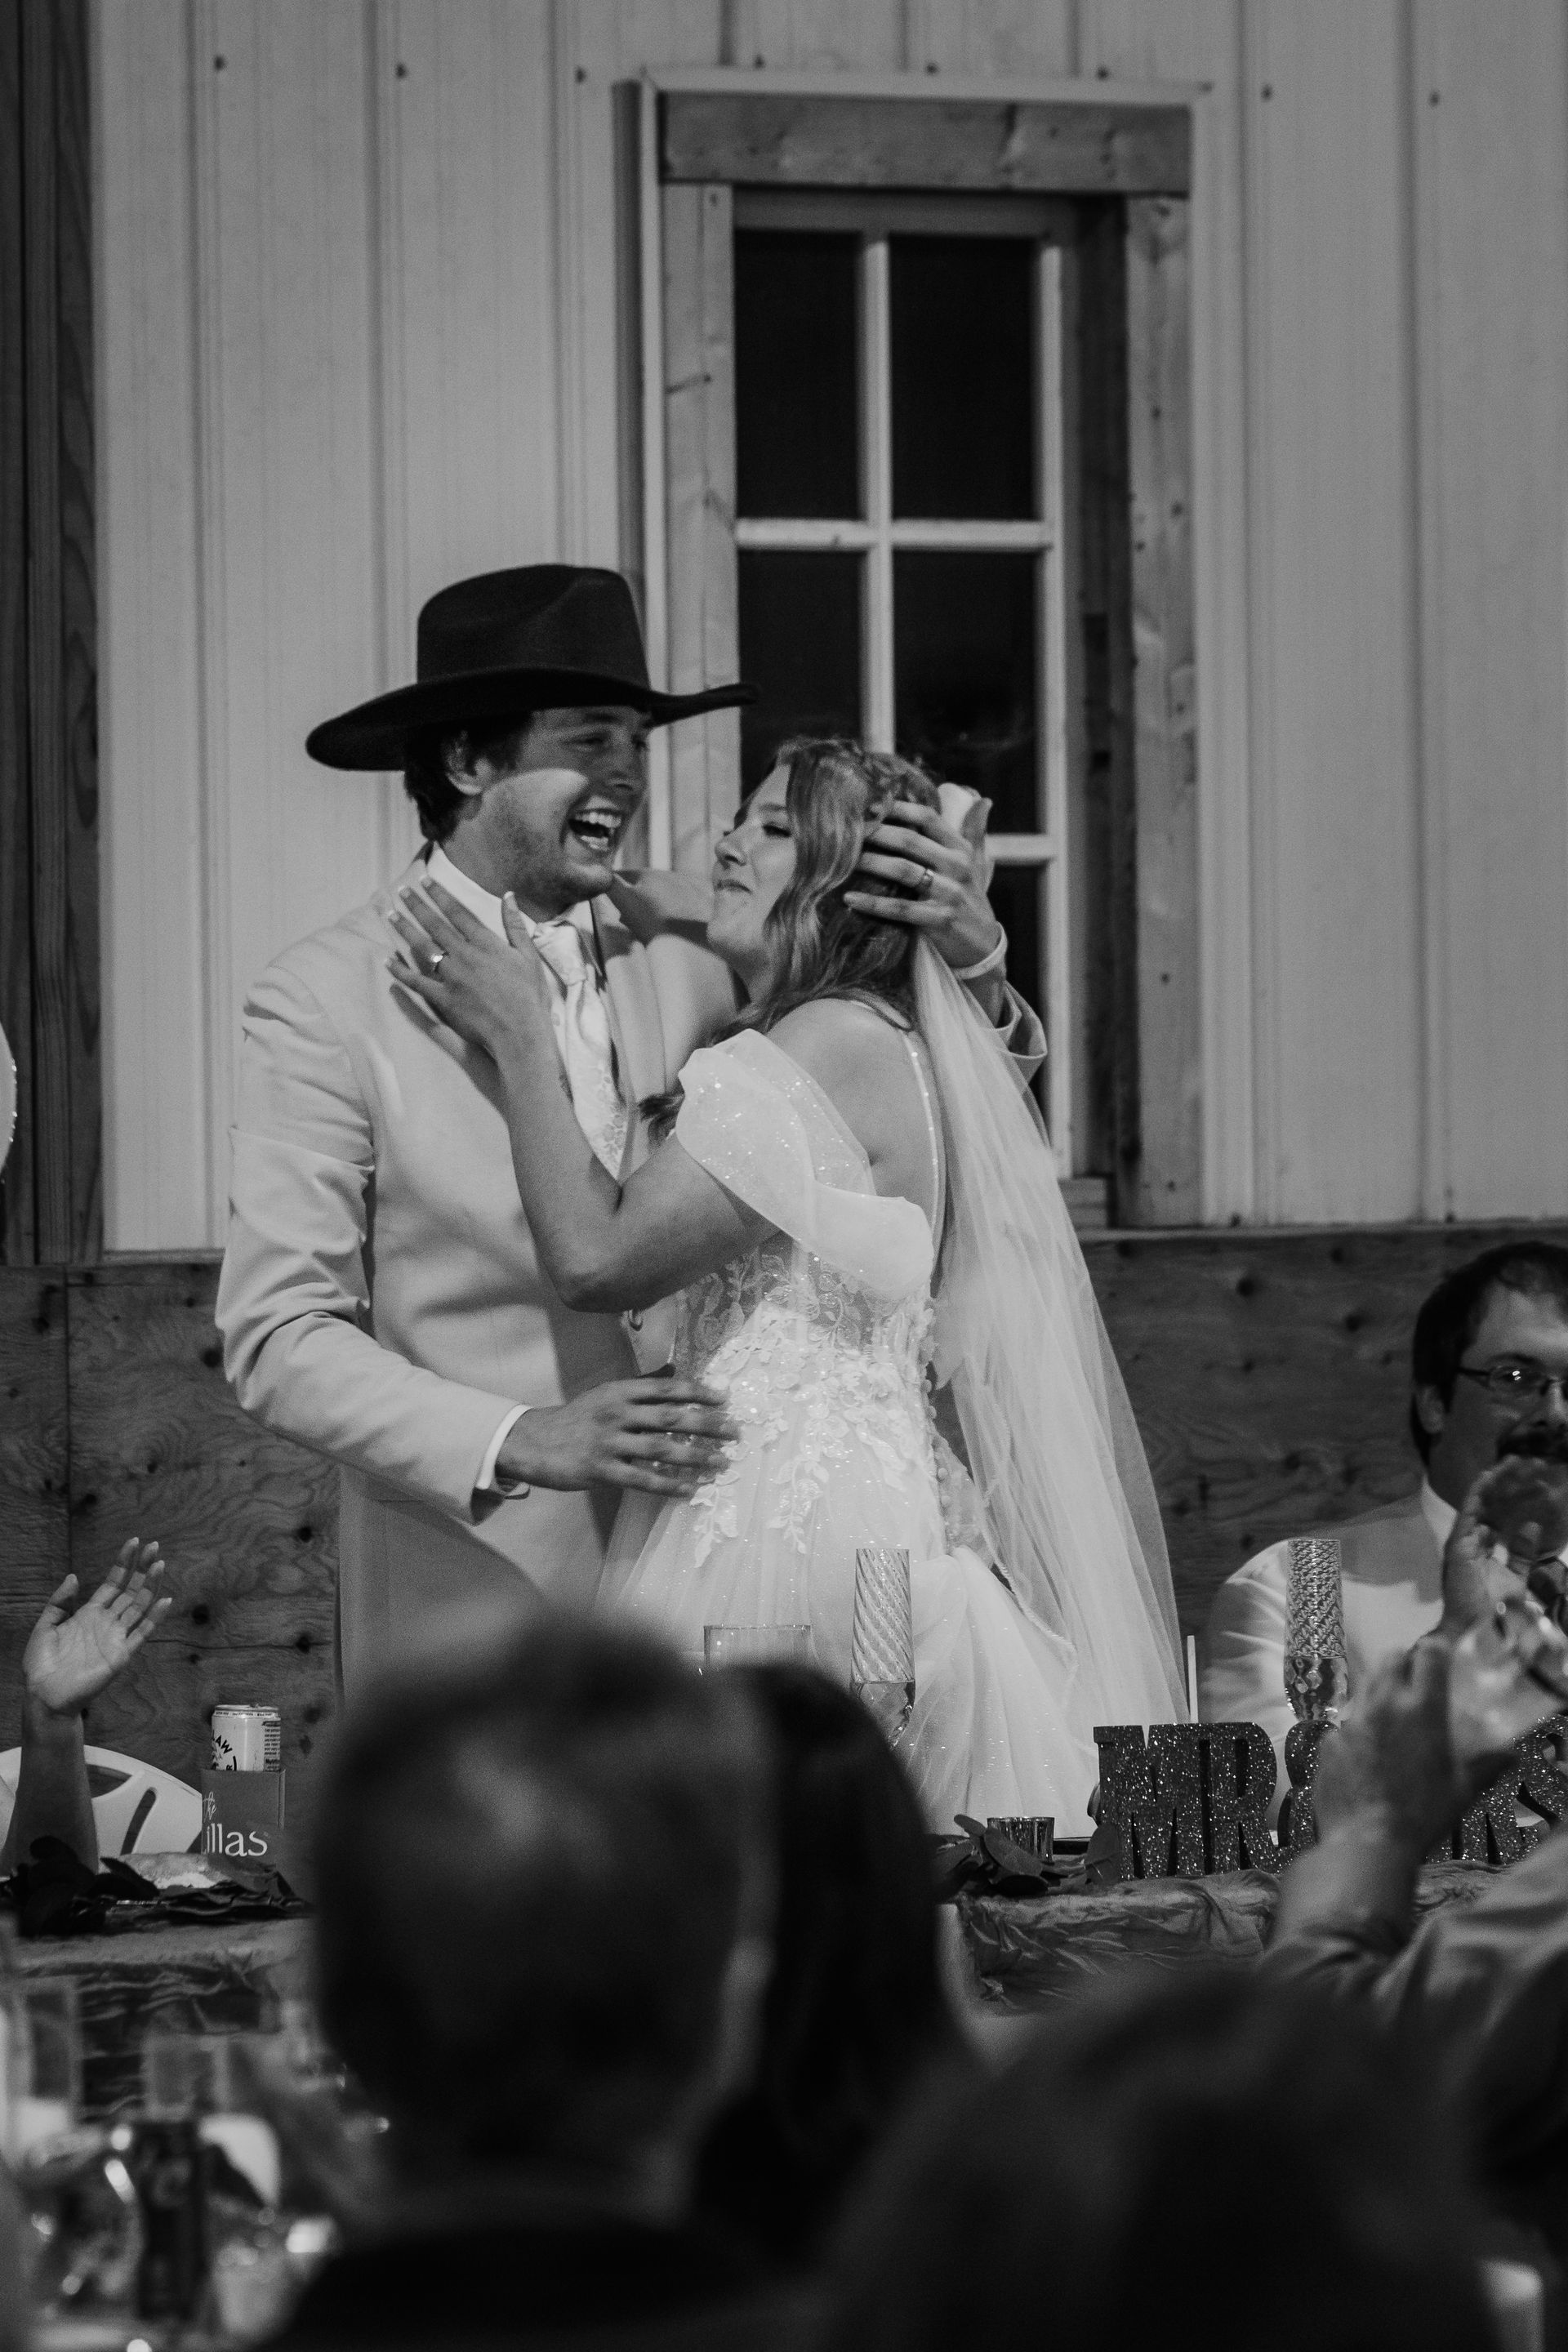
column 74, row 1654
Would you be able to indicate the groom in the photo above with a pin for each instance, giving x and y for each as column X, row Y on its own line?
column 382, row 1299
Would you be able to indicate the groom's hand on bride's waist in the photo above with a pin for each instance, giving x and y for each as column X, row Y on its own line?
column 662, row 1434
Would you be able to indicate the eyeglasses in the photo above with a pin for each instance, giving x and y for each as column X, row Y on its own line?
column 1518, row 1386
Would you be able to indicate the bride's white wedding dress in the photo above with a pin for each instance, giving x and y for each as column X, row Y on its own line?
column 822, row 1340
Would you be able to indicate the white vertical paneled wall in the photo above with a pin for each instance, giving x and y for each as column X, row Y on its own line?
column 360, row 334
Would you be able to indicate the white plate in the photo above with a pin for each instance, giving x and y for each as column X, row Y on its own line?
column 8, row 1099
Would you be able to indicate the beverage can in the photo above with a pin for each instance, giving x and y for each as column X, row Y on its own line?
column 248, row 1740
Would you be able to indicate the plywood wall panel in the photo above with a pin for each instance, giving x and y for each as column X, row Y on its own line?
column 1488, row 91
column 157, row 1125
column 34, row 1443
column 248, row 1521
column 1336, row 897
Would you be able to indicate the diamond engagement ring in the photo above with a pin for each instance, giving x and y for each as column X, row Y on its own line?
column 436, row 961
column 927, row 882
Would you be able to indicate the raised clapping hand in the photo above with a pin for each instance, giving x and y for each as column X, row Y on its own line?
column 73, row 1653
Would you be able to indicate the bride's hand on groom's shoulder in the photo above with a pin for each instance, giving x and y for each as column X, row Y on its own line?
column 661, row 1432
column 487, row 990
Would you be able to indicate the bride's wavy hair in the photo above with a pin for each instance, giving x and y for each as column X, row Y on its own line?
column 837, row 792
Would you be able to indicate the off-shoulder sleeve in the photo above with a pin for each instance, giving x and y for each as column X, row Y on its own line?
column 754, row 1119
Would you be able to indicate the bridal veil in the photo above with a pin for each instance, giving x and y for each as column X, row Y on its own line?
column 1063, row 1483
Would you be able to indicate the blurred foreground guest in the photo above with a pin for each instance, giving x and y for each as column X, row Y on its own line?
column 541, row 1945
column 73, row 1653
column 856, row 2015
column 1487, row 1356
column 1486, row 1983
column 1207, row 2158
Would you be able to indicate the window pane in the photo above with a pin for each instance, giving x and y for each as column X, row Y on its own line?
column 797, row 438
column 964, row 639
column 962, row 375
column 800, row 643
column 1016, row 895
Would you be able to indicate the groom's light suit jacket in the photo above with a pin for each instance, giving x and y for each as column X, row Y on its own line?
column 382, row 1300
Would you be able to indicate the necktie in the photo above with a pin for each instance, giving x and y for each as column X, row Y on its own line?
column 583, row 1034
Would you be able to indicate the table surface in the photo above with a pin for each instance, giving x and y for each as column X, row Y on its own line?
column 1014, row 1955
column 1031, row 1954
column 226, row 1977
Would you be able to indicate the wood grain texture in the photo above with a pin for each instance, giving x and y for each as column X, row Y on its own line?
column 248, row 1521
column 699, row 475
column 1269, row 1373
column 1169, row 1177
column 34, row 1446
column 774, row 141
column 17, row 1211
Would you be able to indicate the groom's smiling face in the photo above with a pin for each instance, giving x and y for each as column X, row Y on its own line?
column 546, row 825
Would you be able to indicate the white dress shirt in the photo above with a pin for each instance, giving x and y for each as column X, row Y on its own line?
column 487, row 906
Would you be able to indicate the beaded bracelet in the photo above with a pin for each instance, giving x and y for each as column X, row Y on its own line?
column 988, row 963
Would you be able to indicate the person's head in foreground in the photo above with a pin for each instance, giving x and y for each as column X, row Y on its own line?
column 1489, row 1342
column 784, row 879
column 856, row 2015
column 1205, row 2158
column 544, row 1890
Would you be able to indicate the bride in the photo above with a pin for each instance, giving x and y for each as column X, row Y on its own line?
column 858, row 1205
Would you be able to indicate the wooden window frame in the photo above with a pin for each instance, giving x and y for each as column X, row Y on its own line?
column 877, row 536
column 689, row 140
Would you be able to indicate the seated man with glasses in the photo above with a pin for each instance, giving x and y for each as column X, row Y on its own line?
column 1489, row 1356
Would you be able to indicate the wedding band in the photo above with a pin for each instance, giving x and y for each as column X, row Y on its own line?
column 927, row 882
column 436, row 961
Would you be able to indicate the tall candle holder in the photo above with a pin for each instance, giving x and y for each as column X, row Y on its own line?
column 882, row 1645
column 1317, row 1676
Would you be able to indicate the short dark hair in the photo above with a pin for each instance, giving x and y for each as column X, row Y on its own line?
column 533, row 1866
column 1061, row 2201
column 430, row 754
column 1453, row 1314
column 856, row 2014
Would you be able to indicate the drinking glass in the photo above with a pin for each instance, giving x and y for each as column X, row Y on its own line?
column 756, row 1645
column 882, row 1645
column 1035, row 1833
column 46, row 2077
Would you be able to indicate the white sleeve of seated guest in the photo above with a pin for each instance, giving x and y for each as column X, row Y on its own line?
column 293, row 1302
column 1241, row 1653
column 749, row 1116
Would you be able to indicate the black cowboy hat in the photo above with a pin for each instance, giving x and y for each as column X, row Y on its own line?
column 496, row 648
